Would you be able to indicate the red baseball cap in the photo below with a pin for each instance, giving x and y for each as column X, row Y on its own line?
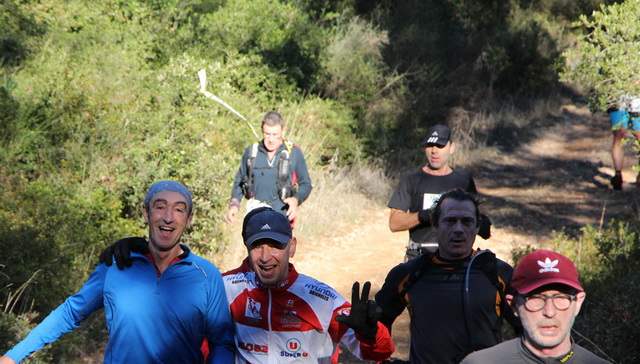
column 543, row 267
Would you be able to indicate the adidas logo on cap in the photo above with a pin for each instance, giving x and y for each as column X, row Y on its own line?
column 265, row 227
column 548, row 266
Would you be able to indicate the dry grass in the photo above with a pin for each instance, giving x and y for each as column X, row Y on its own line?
column 342, row 195
column 482, row 135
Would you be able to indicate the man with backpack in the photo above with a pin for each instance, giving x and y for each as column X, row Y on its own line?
column 455, row 295
column 272, row 172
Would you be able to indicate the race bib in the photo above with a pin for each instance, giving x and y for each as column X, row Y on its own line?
column 253, row 204
column 429, row 199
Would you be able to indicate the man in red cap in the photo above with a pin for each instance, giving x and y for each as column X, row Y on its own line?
column 547, row 298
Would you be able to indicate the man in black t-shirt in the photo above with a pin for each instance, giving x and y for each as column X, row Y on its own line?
column 413, row 198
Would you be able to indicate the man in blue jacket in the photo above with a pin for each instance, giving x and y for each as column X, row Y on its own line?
column 171, row 302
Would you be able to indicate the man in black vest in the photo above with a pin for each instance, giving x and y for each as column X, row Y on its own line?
column 272, row 172
column 455, row 295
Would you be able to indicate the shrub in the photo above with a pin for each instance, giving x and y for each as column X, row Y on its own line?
column 604, row 59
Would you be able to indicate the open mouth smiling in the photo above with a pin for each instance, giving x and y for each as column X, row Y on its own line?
column 165, row 230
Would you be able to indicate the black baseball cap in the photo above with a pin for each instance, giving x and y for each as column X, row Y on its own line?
column 265, row 223
column 438, row 134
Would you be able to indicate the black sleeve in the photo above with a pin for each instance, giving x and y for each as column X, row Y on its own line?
column 401, row 198
column 505, row 271
column 388, row 298
column 472, row 186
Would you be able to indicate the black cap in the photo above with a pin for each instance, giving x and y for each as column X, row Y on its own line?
column 265, row 223
column 438, row 134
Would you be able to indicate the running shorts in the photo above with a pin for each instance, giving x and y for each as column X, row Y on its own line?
column 620, row 119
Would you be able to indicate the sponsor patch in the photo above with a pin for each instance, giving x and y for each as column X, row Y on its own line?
column 252, row 309
column 294, row 349
column 254, row 348
column 321, row 290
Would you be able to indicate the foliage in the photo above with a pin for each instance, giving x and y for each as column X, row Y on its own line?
column 470, row 55
column 283, row 37
column 605, row 59
column 612, row 276
column 358, row 77
column 14, row 328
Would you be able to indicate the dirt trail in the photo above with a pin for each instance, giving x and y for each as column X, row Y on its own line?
column 558, row 180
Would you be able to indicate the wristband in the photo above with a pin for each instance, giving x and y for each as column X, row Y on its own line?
column 234, row 202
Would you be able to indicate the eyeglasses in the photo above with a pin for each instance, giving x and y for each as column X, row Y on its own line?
column 537, row 302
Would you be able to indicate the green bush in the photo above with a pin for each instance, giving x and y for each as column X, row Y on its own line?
column 14, row 328
column 611, row 317
column 604, row 59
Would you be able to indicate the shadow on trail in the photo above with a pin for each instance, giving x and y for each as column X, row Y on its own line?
column 542, row 194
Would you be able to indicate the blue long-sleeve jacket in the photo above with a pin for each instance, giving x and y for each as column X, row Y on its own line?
column 151, row 318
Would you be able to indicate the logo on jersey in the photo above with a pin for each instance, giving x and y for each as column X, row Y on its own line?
column 344, row 311
column 549, row 266
column 290, row 303
column 255, row 348
column 253, row 309
column 321, row 291
column 293, row 345
column 293, row 349
column 289, row 320
column 236, row 279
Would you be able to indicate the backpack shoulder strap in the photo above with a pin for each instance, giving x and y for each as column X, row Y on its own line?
column 426, row 261
column 283, row 181
column 488, row 263
column 289, row 145
column 251, row 162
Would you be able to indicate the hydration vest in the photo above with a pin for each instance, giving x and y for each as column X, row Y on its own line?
column 284, row 182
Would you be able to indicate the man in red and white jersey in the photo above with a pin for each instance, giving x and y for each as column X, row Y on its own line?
column 282, row 316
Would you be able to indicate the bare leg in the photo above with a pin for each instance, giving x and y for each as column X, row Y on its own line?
column 638, row 139
column 617, row 153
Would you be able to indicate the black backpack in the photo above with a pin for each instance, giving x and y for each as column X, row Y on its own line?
column 283, row 182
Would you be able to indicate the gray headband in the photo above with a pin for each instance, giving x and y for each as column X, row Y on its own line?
column 169, row 186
